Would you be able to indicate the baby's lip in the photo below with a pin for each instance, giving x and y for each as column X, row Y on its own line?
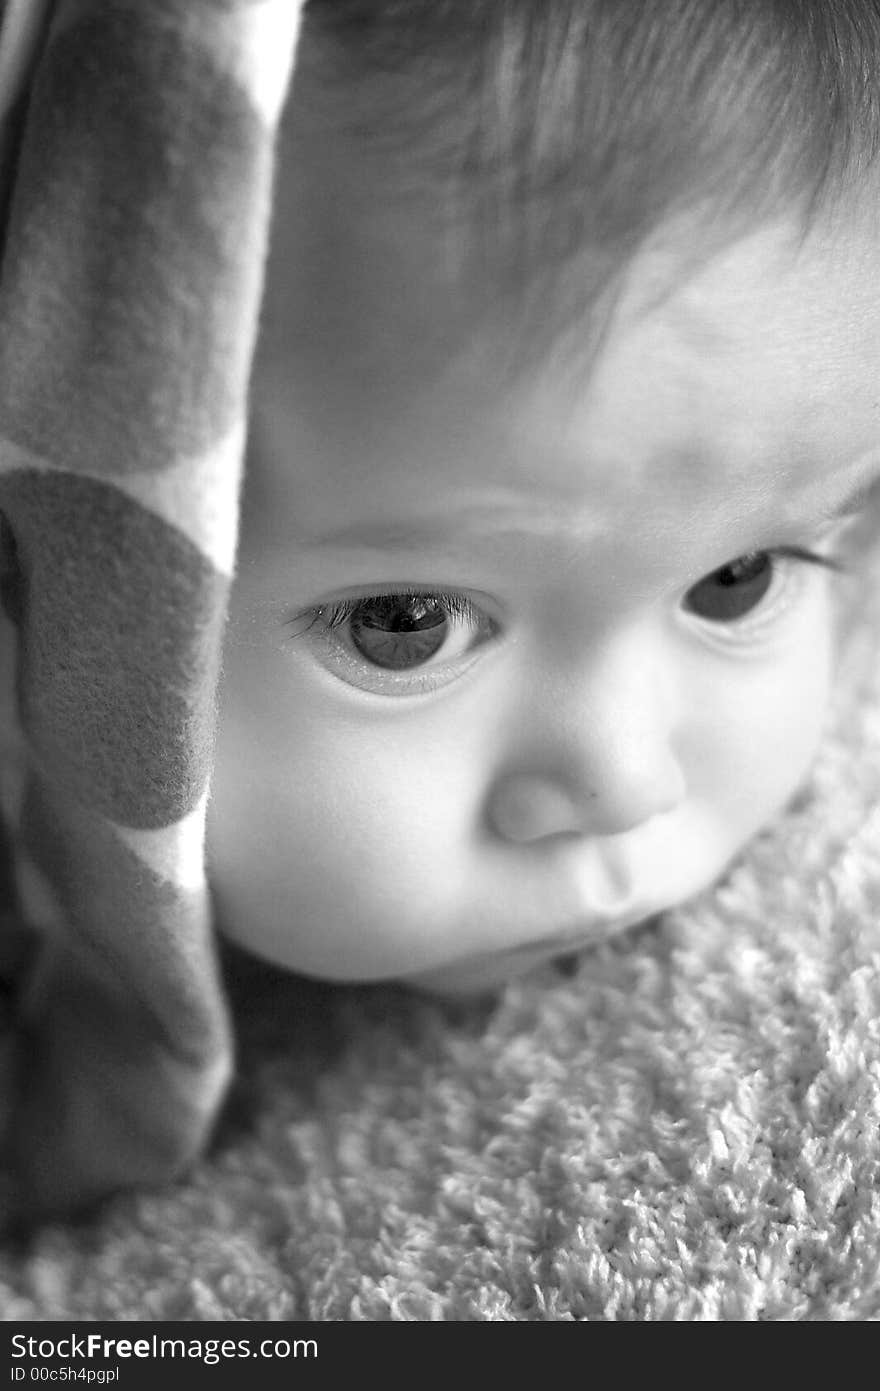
column 595, row 894
column 575, row 939
column 602, row 877
column 490, row 969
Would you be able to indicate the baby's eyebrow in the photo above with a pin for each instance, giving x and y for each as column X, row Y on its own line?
column 379, row 536
column 472, row 519
column 854, row 502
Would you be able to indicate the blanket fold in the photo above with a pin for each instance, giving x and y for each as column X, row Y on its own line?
column 129, row 294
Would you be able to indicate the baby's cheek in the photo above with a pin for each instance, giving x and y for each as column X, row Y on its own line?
column 388, row 809
column 340, row 834
column 762, row 724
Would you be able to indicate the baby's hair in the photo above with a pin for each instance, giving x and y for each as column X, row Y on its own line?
column 557, row 126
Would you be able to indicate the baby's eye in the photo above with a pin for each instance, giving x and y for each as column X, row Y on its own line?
column 732, row 592
column 759, row 586
column 399, row 631
column 399, row 643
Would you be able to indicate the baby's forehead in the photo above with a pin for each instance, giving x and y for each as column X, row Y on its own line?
column 731, row 367
column 546, row 129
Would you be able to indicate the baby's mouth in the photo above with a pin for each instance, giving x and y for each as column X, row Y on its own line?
column 600, row 896
column 491, row 970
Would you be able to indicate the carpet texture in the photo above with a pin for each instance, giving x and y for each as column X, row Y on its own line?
column 684, row 1127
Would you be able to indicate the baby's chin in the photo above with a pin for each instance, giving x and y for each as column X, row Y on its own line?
column 475, row 977
column 491, row 971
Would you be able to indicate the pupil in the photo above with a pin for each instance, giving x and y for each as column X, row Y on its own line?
column 732, row 591
column 398, row 632
column 747, row 568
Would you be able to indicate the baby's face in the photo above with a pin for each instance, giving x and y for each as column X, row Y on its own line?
column 512, row 667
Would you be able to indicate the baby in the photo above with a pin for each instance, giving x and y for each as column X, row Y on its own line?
column 565, row 406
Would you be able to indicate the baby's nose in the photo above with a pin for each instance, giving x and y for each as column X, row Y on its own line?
column 603, row 762
column 526, row 807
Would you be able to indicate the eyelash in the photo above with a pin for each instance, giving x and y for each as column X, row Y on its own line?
column 460, row 609
column 338, row 612
column 807, row 557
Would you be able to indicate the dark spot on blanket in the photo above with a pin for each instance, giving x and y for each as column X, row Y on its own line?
column 146, row 938
column 11, row 583
column 119, row 647
column 567, row 965
column 134, row 256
